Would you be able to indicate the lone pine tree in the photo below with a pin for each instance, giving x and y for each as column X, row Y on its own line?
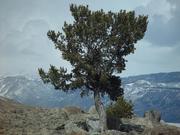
column 95, row 44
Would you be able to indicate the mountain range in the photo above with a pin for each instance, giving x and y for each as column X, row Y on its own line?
column 159, row 91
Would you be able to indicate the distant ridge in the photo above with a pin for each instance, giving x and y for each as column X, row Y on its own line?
column 154, row 77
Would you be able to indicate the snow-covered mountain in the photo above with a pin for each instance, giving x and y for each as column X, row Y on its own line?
column 154, row 91
column 139, row 88
column 33, row 92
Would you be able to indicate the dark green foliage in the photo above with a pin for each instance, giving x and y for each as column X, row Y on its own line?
column 95, row 44
column 120, row 109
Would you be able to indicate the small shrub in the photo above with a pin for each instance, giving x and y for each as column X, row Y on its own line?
column 120, row 109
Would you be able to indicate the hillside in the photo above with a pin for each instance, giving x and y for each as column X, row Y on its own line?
column 154, row 91
column 18, row 119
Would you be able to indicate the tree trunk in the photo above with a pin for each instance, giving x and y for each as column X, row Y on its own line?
column 100, row 109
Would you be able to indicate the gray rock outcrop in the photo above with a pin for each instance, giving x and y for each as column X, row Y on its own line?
column 18, row 119
column 153, row 115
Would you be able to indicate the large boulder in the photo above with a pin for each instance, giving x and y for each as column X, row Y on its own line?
column 153, row 115
column 115, row 132
column 74, row 129
column 162, row 130
column 138, row 121
column 113, row 123
column 92, row 110
column 93, row 124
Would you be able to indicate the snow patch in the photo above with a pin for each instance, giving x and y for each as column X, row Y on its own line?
column 18, row 92
column 2, row 87
column 174, row 124
column 143, row 82
column 130, row 84
column 4, row 92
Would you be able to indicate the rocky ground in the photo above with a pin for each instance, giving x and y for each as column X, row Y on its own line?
column 18, row 119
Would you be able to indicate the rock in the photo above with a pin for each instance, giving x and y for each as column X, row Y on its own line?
column 73, row 129
column 72, row 110
column 87, row 122
column 25, row 120
column 153, row 115
column 138, row 121
column 92, row 110
column 93, row 124
column 115, row 132
column 162, row 130
column 133, row 133
column 93, row 120
column 113, row 123
column 131, row 128
column 124, row 125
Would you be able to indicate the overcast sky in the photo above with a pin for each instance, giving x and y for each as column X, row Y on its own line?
column 24, row 45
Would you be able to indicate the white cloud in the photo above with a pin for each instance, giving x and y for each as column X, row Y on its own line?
column 151, row 59
column 164, row 19
column 156, row 8
column 27, row 50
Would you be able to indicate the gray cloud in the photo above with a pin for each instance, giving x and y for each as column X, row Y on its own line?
column 24, row 51
column 163, row 28
column 24, row 45
column 31, row 38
